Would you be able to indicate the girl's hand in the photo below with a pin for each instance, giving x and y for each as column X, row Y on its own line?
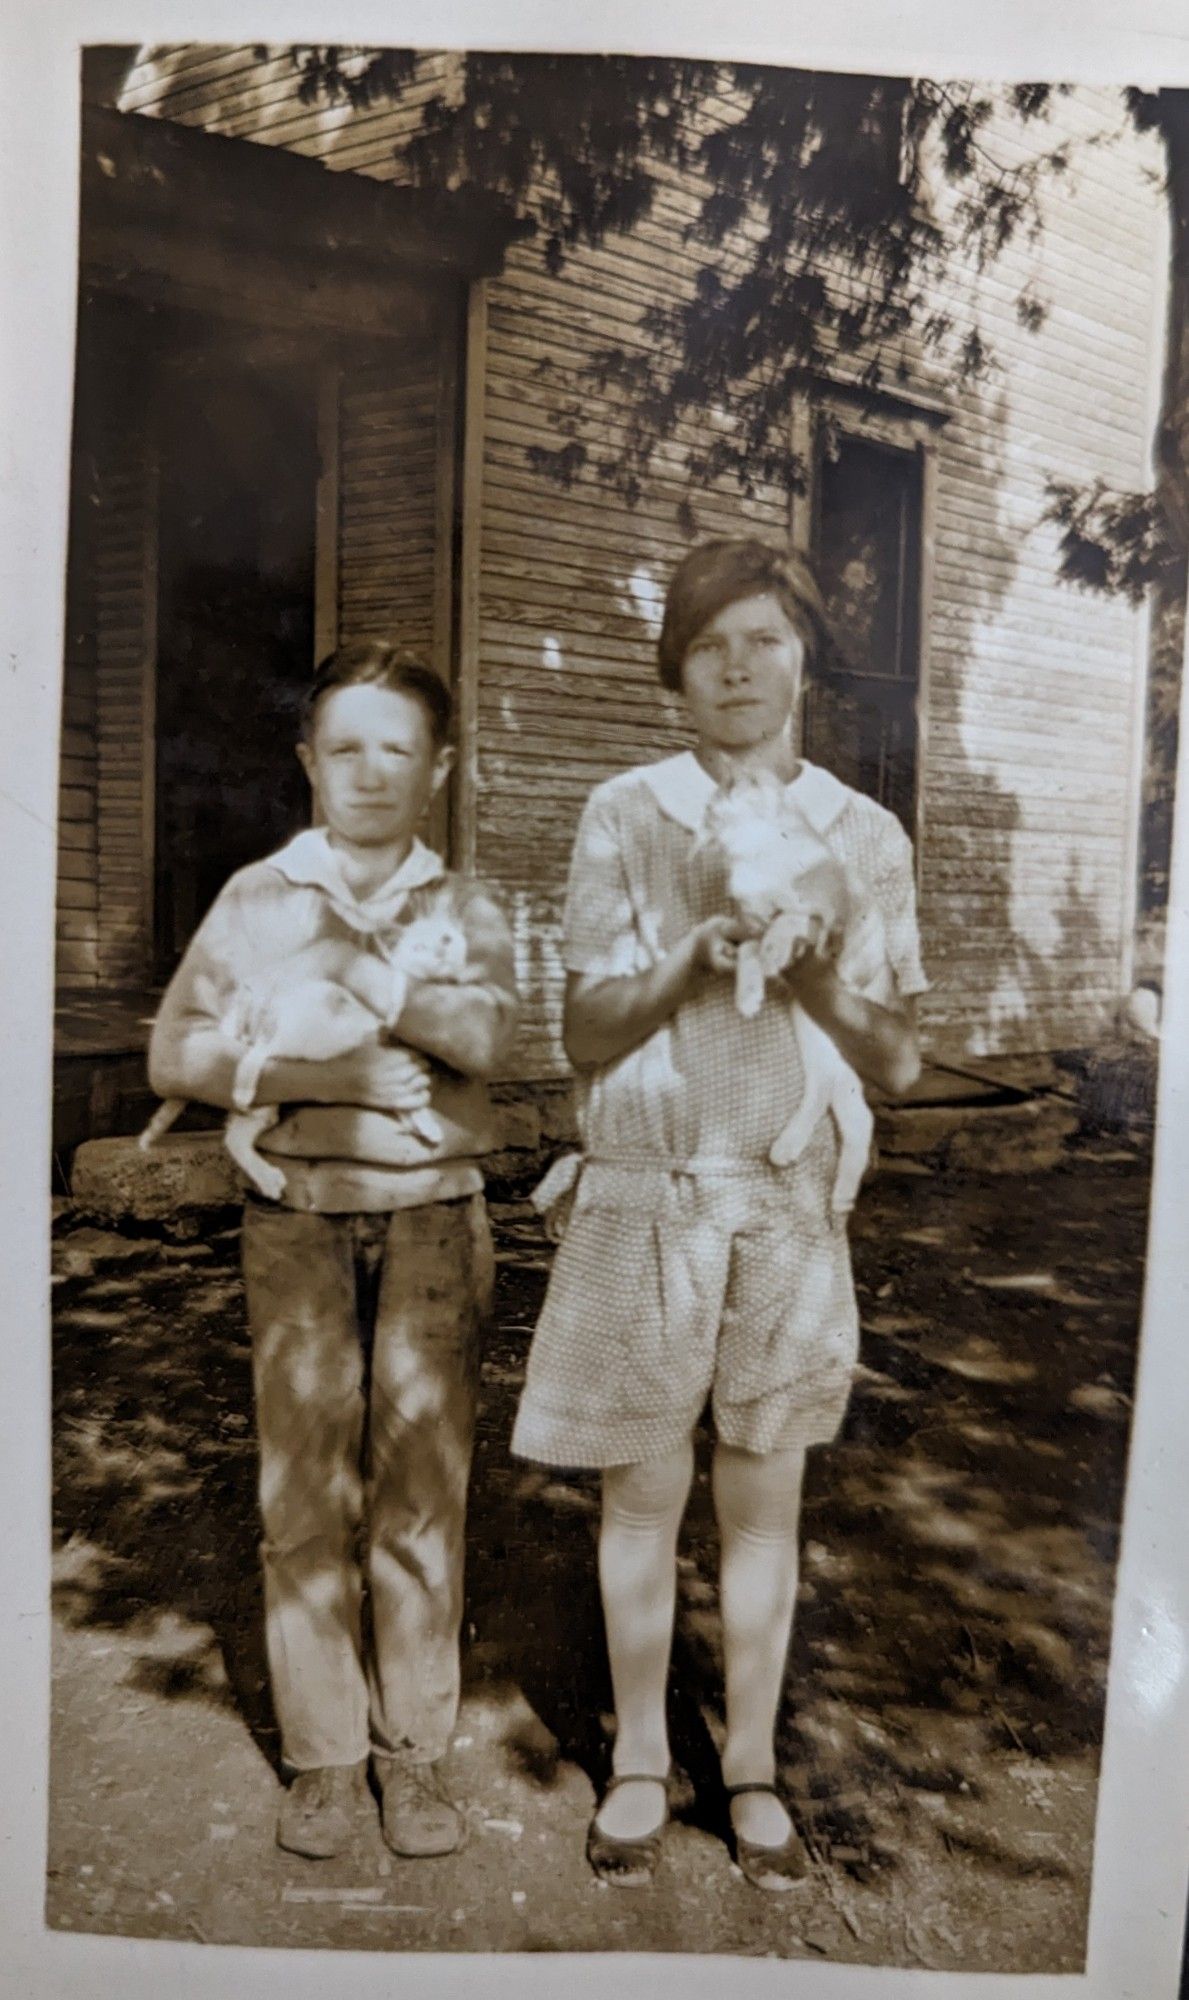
column 812, row 957
column 715, row 944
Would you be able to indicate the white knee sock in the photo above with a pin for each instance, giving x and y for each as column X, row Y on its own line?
column 642, row 1510
column 758, row 1502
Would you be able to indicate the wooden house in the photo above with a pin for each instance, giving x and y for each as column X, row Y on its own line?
column 310, row 402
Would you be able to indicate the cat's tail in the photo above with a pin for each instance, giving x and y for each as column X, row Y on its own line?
column 165, row 1116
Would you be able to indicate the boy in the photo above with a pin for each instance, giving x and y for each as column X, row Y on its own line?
column 368, row 1283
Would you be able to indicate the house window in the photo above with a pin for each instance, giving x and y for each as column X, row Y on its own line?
column 862, row 698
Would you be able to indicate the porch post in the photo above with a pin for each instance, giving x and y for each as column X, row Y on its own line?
column 466, row 828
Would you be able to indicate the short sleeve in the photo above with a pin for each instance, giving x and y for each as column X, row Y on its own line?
column 894, row 889
column 598, row 927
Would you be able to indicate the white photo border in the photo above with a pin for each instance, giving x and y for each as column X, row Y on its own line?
column 1142, row 1853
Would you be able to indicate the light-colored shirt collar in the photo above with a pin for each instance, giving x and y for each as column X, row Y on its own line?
column 683, row 789
column 310, row 862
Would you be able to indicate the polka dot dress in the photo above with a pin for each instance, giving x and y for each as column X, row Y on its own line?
column 690, row 1267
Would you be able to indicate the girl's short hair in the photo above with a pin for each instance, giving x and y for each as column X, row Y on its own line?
column 381, row 663
column 720, row 573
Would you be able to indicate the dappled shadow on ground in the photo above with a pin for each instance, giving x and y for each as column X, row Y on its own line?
column 959, row 1541
column 155, row 1461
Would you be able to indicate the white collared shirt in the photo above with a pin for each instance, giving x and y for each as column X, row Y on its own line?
column 683, row 788
column 311, row 862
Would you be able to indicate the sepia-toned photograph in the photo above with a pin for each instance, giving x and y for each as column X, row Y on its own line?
column 623, row 636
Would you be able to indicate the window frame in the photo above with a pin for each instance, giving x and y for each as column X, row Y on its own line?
column 907, row 423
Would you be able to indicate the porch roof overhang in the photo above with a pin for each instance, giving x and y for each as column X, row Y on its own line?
column 170, row 212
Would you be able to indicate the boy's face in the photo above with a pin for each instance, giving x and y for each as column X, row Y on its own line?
column 372, row 764
column 741, row 675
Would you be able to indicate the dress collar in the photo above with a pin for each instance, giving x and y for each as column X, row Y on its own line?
column 310, row 862
column 683, row 789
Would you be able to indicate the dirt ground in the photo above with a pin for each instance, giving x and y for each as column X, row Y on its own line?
column 944, row 1698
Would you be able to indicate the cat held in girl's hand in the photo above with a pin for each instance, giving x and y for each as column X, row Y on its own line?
column 315, row 1007
column 784, row 882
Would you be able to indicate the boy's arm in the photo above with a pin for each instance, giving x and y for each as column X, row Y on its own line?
column 191, row 1055
column 469, row 1024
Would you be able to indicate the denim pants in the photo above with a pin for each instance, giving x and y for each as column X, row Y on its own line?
column 365, row 1355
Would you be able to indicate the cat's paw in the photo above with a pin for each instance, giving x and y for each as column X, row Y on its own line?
column 269, row 1180
column 775, row 948
column 749, row 981
column 428, row 1126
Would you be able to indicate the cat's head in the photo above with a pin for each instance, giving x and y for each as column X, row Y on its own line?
column 431, row 946
column 741, row 814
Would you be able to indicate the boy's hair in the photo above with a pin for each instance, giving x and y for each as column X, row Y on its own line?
column 720, row 573
column 381, row 663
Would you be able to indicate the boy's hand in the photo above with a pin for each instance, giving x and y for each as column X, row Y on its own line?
column 383, row 1079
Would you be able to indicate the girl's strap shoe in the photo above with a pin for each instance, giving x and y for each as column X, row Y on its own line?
column 628, row 1862
column 773, row 1869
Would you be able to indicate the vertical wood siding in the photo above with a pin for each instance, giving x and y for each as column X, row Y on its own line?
column 395, row 478
column 387, row 457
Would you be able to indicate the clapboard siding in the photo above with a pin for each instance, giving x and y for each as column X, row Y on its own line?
column 1029, row 799
column 588, row 629
column 1029, row 806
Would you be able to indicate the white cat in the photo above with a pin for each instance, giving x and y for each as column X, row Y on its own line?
column 781, row 876
column 320, row 1004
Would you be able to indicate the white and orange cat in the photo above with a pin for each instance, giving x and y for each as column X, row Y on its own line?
column 317, row 1005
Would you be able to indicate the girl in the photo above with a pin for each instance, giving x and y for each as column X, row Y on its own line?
column 690, row 1266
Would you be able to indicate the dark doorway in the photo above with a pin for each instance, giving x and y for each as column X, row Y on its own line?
column 237, row 467
column 861, row 702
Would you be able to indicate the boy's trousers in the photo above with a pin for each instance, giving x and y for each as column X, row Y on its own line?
column 365, row 1354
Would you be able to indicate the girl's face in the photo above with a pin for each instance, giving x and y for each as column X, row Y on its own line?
column 372, row 764
column 741, row 676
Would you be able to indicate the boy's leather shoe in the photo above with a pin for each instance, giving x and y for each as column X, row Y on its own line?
column 418, row 1819
column 319, row 1809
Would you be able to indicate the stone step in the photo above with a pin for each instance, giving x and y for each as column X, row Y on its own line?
column 113, row 1179
column 991, row 1134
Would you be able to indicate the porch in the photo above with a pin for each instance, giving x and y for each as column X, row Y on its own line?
column 268, row 459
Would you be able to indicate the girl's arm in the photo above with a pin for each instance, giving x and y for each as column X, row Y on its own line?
column 880, row 1042
column 604, row 1018
column 878, row 1038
